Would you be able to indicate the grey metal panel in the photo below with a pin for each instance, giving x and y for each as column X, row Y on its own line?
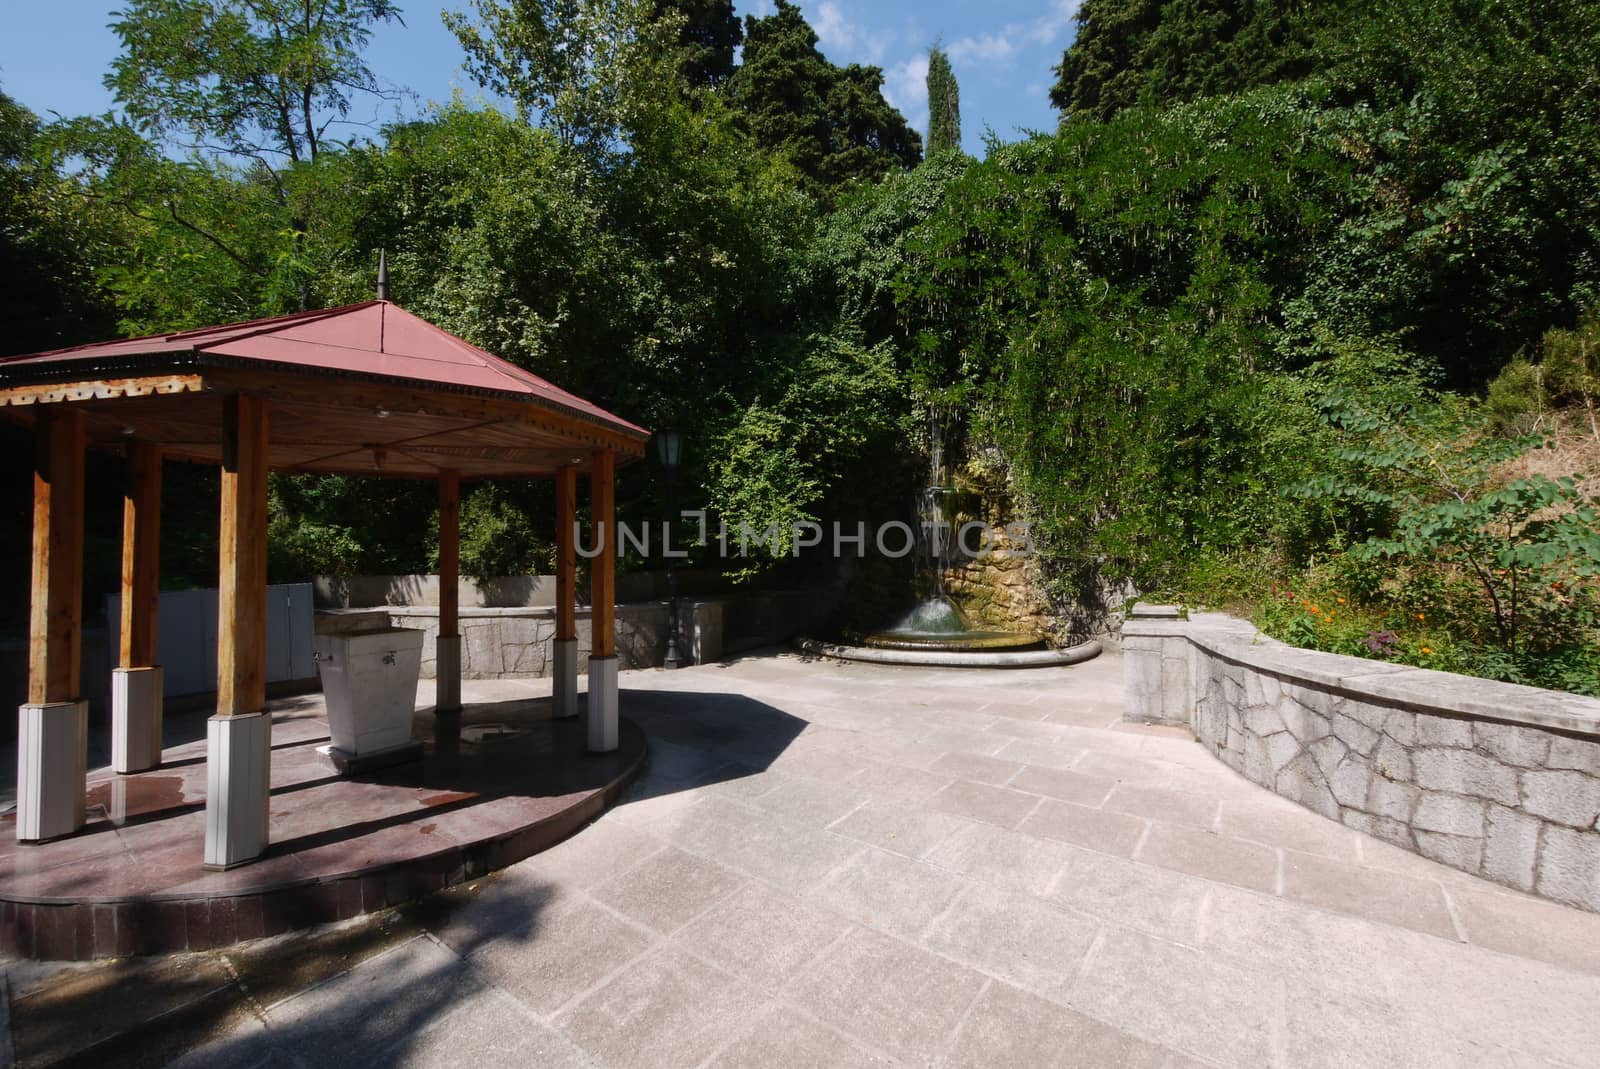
column 302, row 630
column 187, row 639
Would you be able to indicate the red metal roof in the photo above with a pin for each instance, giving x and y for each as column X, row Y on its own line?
column 372, row 339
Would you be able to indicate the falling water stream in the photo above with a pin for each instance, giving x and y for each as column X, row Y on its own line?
column 937, row 622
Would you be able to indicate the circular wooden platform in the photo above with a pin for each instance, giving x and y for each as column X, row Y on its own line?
column 498, row 782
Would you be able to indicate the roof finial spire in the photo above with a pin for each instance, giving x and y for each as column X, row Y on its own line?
column 383, row 275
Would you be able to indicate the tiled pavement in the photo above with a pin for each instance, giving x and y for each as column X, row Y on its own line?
column 838, row 865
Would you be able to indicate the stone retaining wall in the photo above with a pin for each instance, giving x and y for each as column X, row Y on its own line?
column 500, row 643
column 517, row 641
column 1498, row 780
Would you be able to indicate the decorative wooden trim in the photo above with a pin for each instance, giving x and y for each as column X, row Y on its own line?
column 242, row 596
column 141, row 556
column 97, row 389
column 56, row 606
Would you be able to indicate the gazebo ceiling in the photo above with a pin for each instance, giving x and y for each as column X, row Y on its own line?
column 369, row 389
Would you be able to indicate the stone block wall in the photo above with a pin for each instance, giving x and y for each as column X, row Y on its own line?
column 1498, row 780
column 500, row 643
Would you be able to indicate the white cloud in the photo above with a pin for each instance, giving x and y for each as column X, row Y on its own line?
column 984, row 49
column 1015, row 37
column 905, row 85
column 831, row 25
column 1051, row 25
column 844, row 41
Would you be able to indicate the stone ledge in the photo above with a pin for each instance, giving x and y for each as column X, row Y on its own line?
column 1420, row 689
column 1495, row 779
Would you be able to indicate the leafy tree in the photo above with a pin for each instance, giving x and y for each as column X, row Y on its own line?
column 832, row 123
column 857, row 255
column 944, row 104
column 191, row 241
column 250, row 78
column 1432, row 472
column 709, row 35
column 581, row 68
column 1477, row 223
column 834, row 407
column 1101, row 303
column 49, row 246
column 1129, row 52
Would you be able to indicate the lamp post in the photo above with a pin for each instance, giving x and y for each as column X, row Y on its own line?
column 669, row 451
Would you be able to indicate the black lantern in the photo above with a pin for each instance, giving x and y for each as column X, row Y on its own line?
column 669, row 451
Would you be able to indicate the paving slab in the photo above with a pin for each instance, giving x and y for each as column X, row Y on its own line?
column 1004, row 858
column 1202, row 852
column 1009, row 1026
column 1133, row 895
column 891, row 996
column 1015, row 936
column 992, row 770
column 1097, row 829
column 668, row 889
column 1064, row 785
column 574, row 946
column 762, row 934
column 899, row 782
column 1180, row 997
column 898, row 827
column 353, row 1016
column 669, row 1008
column 1371, row 893
column 784, row 1038
column 888, row 892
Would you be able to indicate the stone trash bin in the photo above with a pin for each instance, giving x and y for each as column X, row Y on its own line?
column 369, row 681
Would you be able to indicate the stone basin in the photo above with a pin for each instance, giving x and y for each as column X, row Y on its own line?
column 369, row 680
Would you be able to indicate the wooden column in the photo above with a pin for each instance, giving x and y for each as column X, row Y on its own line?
column 141, row 556
column 136, row 682
column 239, row 737
column 602, row 726
column 55, row 631
column 447, row 644
column 603, row 573
column 564, row 650
column 242, row 601
column 53, row 727
column 566, row 554
column 449, row 553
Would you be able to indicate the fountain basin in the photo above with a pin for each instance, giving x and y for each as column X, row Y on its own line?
column 954, row 641
column 948, row 658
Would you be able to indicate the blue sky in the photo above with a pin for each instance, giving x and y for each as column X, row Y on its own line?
column 53, row 55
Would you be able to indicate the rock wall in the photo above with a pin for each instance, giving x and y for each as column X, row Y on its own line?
column 1000, row 589
column 1498, row 780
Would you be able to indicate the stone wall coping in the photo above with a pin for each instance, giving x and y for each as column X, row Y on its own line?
column 1421, row 689
column 520, row 611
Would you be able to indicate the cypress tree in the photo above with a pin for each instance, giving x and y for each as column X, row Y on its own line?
column 944, row 104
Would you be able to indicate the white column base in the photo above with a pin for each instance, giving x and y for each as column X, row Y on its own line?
column 238, row 778
column 564, row 680
column 602, row 704
column 136, row 705
column 52, row 749
column 447, row 673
